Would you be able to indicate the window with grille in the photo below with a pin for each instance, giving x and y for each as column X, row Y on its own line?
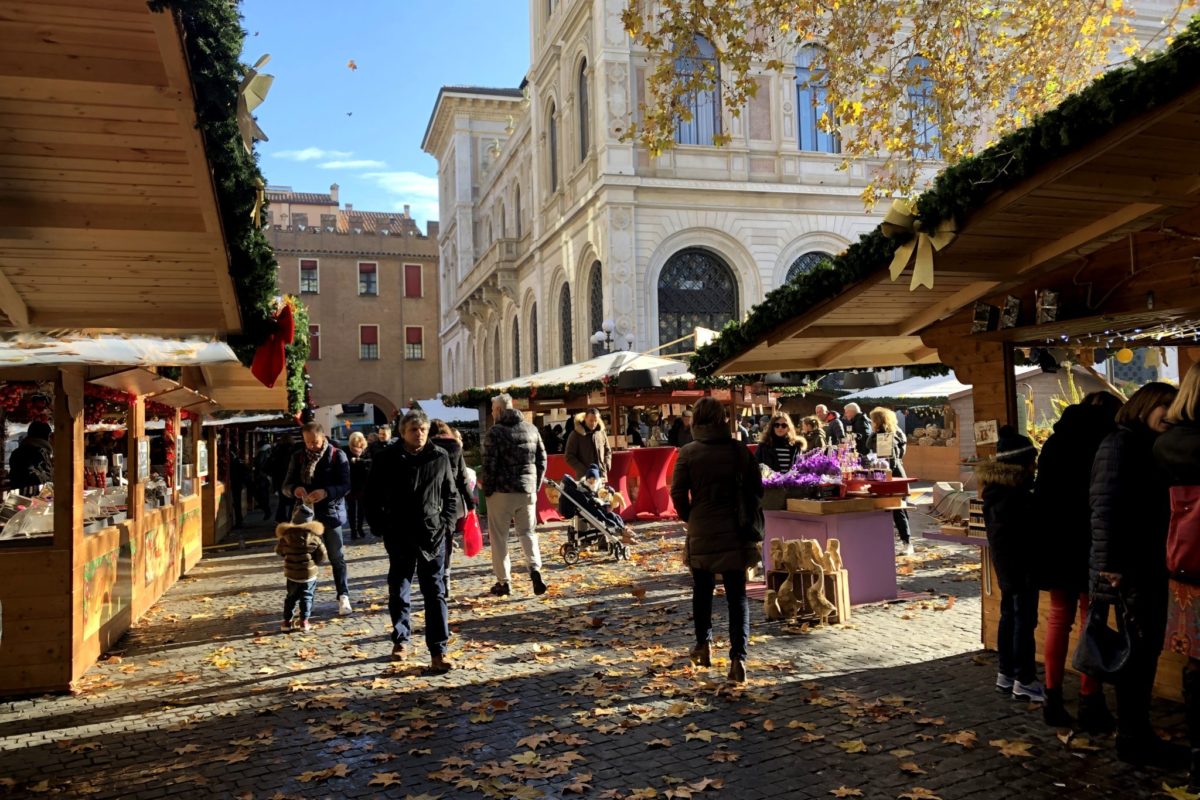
column 923, row 111
column 412, row 280
column 703, row 106
column 564, row 320
column 314, row 342
column 812, row 103
column 368, row 342
column 533, row 339
column 516, row 348
column 517, row 208
column 310, row 282
column 596, row 305
column 552, row 124
column 806, row 264
column 583, row 111
column 368, row 278
column 414, row 343
column 696, row 289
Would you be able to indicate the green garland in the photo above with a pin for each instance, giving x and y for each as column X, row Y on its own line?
column 1112, row 99
column 297, row 356
column 213, row 38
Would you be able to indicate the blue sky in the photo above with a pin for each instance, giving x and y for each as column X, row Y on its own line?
column 361, row 128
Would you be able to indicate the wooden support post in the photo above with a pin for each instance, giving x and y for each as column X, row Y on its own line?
column 68, row 461
column 135, row 497
column 176, row 475
column 208, row 494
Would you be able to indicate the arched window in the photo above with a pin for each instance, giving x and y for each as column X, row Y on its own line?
column 704, row 106
column 567, row 346
column 516, row 347
column 517, row 208
column 596, row 304
column 583, row 111
column 812, row 103
column 923, row 110
column 552, row 136
column 533, row 339
column 503, row 222
column 496, row 374
column 805, row 264
column 696, row 289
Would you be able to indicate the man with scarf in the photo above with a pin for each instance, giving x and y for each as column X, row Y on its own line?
column 412, row 502
column 319, row 476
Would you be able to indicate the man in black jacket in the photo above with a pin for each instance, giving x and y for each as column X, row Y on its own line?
column 859, row 424
column 412, row 501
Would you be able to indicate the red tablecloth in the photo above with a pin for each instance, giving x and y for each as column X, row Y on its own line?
column 618, row 474
column 556, row 467
column 654, row 466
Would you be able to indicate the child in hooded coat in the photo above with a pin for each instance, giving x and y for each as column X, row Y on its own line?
column 302, row 546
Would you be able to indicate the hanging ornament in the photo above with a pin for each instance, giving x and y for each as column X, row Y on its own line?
column 251, row 93
column 1124, row 355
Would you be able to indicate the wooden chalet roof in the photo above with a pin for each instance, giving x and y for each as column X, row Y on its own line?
column 108, row 214
column 1141, row 174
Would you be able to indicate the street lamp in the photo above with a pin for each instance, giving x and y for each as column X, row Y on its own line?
column 606, row 338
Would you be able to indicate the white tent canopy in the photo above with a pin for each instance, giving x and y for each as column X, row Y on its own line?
column 39, row 349
column 921, row 388
column 609, row 365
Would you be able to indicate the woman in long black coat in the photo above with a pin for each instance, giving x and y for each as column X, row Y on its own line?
column 1064, row 510
column 1130, row 514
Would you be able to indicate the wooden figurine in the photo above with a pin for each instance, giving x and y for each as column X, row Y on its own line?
column 786, row 598
column 771, row 609
column 833, row 556
column 814, row 559
column 778, row 559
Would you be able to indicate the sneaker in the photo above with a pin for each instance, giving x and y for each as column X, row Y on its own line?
column 539, row 587
column 286, row 626
column 305, row 625
column 344, row 605
column 908, row 550
column 1033, row 692
column 501, row 589
column 1004, row 683
column 399, row 652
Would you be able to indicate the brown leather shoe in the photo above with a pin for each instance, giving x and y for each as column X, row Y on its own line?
column 701, row 655
column 439, row 665
column 737, row 671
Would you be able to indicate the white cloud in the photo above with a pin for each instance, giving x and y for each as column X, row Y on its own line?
column 311, row 154
column 410, row 188
column 361, row 163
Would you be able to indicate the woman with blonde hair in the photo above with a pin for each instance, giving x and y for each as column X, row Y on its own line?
column 360, row 469
column 887, row 435
column 1177, row 452
column 779, row 444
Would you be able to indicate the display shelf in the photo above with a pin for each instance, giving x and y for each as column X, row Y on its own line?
column 957, row 538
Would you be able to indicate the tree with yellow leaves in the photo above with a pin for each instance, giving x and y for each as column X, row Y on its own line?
column 904, row 82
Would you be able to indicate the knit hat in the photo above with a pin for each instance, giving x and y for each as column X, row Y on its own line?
column 1013, row 448
column 303, row 514
column 593, row 471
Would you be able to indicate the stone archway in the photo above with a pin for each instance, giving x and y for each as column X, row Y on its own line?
column 381, row 404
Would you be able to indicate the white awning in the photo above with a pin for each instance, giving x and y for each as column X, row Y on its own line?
column 56, row 349
column 608, row 365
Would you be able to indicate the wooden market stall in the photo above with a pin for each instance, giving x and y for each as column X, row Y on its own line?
column 611, row 383
column 128, row 208
column 1081, row 233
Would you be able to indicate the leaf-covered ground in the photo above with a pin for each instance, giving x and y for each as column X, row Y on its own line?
column 586, row 692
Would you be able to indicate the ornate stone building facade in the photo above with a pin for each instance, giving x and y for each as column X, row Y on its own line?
column 551, row 223
column 369, row 279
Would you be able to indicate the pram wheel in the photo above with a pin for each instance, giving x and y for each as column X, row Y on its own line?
column 569, row 553
column 623, row 551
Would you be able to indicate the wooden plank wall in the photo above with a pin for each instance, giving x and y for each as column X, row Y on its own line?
column 35, row 588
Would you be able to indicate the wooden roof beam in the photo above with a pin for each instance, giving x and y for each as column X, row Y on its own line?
column 790, row 329
column 848, row 332
column 837, row 351
column 12, row 304
column 968, row 294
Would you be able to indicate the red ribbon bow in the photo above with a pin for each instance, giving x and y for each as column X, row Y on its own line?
column 271, row 356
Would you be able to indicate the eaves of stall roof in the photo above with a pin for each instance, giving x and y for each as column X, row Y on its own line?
column 1133, row 177
column 109, row 219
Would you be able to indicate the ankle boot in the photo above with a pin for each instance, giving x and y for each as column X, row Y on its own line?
column 1054, row 712
column 701, row 655
column 1194, row 775
column 1094, row 716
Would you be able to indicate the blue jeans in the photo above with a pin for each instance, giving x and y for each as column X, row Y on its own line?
column 1014, row 639
column 703, row 584
column 299, row 592
column 404, row 560
column 337, row 559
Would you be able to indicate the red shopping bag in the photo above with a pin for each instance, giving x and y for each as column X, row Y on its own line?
column 472, row 535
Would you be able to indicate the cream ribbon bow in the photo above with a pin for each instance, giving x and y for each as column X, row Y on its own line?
column 251, row 93
column 901, row 217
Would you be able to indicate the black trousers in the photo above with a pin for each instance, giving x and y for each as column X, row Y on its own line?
column 1015, row 639
column 1146, row 602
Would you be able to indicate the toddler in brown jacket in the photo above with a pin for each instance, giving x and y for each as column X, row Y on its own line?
column 303, row 549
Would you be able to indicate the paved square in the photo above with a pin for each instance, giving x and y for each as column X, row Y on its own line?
column 584, row 692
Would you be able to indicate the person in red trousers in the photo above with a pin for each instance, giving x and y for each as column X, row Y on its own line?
column 1061, row 493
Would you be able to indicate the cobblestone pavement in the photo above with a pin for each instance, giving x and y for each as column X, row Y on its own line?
column 584, row 692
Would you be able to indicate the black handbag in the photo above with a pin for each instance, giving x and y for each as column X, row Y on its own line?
column 1103, row 652
column 751, row 522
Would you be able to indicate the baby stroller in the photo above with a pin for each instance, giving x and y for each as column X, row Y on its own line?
column 601, row 533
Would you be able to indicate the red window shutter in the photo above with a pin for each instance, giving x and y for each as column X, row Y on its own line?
column 412, row 280
column 412, row 336
column 306, row 263
column 368, row 334
column 366, row 268
column 314, row 341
